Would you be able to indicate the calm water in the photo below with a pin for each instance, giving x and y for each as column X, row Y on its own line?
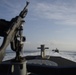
column 71, row 55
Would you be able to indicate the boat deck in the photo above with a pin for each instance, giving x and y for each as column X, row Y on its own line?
column 64, row 66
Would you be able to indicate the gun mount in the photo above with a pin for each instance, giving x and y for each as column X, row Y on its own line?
column 11, row 31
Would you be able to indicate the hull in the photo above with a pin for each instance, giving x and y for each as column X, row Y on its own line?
column 51, row 66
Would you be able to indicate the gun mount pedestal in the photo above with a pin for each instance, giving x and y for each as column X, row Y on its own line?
column 13, row 68
column 18, row 68
column 18, row 63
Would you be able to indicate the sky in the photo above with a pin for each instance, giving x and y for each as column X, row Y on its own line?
column 49, row 22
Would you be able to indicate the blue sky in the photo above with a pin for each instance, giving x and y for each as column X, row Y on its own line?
column 49, row 22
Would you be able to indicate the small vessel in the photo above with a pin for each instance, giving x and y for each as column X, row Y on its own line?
column 55, row 50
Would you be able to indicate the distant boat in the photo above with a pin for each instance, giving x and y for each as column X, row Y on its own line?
column 55, row 50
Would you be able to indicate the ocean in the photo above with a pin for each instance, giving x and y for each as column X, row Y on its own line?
column 71, row 55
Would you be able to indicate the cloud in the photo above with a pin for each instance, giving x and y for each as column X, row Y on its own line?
column 62, row 13
column 8, row 3
column 12, row 7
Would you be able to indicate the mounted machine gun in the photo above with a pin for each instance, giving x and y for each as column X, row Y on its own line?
column 11, row 31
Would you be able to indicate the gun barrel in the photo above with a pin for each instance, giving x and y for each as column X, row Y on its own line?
column 24, row 11
column 27, row 3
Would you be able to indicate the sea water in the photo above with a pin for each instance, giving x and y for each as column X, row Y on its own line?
column 71, row 55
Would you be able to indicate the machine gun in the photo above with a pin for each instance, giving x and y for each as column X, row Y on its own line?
column 12, row 34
